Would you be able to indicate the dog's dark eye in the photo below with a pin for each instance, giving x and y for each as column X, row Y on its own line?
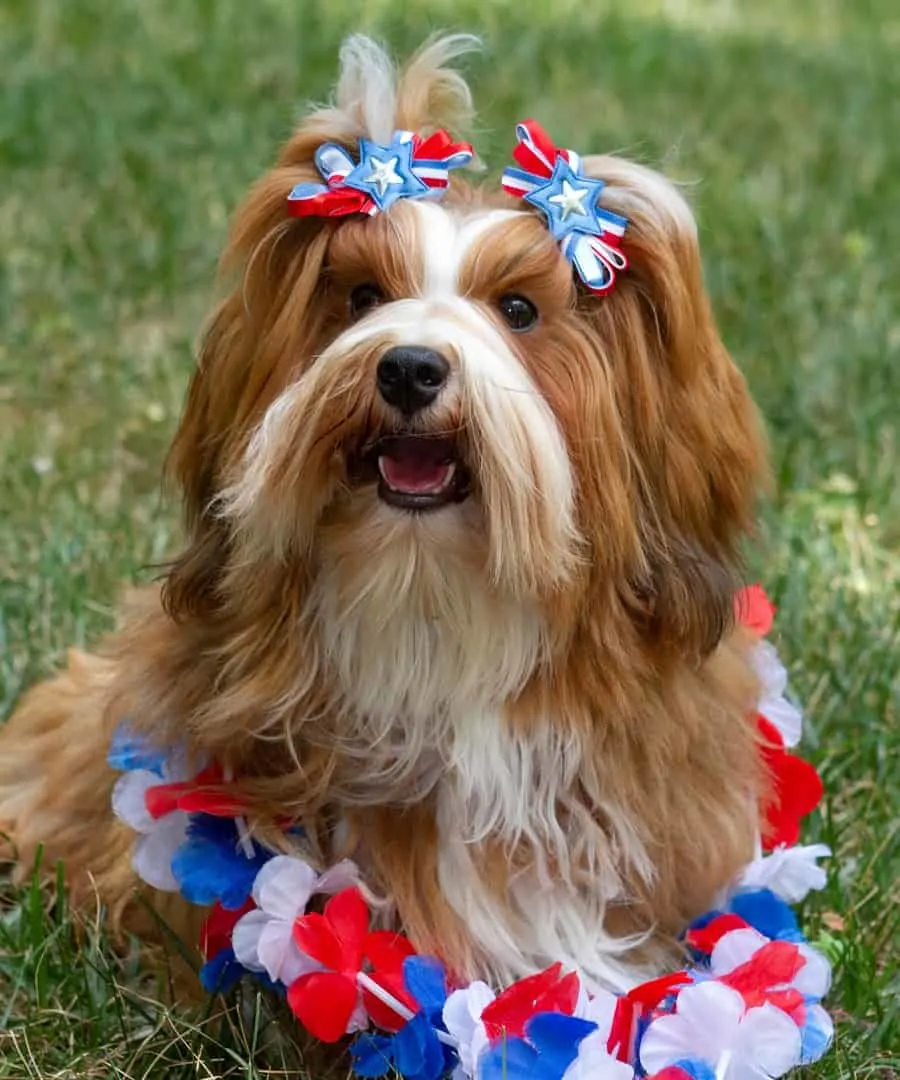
column 365, row 297
column 519, row 313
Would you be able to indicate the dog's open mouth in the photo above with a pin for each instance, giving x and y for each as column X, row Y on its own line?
column 416, row 472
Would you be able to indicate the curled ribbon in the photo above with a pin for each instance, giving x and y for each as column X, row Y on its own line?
column 551, row 179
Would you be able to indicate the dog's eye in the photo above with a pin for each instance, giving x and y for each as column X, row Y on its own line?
column 519, row 313
column 365, row 297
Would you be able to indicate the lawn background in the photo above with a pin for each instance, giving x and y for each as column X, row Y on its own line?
column 129, row 130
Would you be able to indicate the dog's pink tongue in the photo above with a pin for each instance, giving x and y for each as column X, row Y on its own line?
column 413, row 476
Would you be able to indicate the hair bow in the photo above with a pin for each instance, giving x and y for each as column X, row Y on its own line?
column 551, row 179
column 409, row 167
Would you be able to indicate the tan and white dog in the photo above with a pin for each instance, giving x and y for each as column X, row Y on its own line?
column 462, row 542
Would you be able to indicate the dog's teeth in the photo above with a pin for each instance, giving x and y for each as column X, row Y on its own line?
column 448, row 477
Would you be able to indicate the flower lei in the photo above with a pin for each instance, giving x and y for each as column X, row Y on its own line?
column 747, row 1005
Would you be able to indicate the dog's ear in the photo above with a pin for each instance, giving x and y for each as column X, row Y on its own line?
column 264, row 327
column 698, row 454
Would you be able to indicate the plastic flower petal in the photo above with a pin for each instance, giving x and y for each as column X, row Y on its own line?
column 426, row 980
column 372, row 1055
column 817, row 1034
column 262, row 943
column 768, row 914
column 212, row 864
column 222, row 969
column 325, row 1003
column 790, row 872
column 154, row 852
column 129, row 799
column 555, row 1046
column 754, row 610
column 773, row 702
column 711, row 1024
column 548, row 991
column 462, row 1018
column 415, row 1050
column 339, row 939
column 221, row 972
column 759, row 968
column 685, row 1070
column 128, row 752
column 797, row 789
column 599, row 1007
column 264, row 939
column 594, row 1062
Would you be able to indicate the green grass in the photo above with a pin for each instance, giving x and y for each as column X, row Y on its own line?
column 129, row 130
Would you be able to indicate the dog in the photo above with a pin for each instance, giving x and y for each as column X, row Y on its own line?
column 462, row 541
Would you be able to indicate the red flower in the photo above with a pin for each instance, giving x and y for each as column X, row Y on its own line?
column 705, row 938
column 636, row 1003
column 215, row 932
column 205, row 794
column 754, row 610
column 776, row 963
column 548, row 991
column 339, row 939
column 796, row 789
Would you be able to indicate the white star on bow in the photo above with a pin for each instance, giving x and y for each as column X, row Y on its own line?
column 383, row 174
column 570, row 200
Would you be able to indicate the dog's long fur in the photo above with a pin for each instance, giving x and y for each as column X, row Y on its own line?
column 527, row 715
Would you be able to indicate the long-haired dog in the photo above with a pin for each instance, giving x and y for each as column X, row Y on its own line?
column 462, row 542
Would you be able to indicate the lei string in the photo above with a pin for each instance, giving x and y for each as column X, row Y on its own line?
column 747, row 1003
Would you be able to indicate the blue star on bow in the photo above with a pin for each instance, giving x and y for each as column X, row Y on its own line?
column 569, row 201
column 385, row 173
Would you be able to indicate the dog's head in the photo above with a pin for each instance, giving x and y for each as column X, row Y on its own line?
column 424, row 422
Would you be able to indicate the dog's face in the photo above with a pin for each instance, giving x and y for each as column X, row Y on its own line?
column 426, row 420
column 458, row 443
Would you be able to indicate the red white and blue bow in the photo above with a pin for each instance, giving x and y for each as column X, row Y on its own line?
column 551, row 179
column 409, row 167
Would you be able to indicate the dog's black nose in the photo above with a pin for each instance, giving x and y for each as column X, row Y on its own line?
column 410, row 377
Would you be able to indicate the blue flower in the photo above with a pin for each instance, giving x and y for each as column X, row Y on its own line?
column 128, row 752
column 768, row 914
column 415, row 1052
column 221, row 972
column 550, row 1048
column 816, row 1033
column 212, row 864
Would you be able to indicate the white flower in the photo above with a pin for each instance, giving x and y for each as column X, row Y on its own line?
column 263, row 938
column 790, row 872
column 600, row 1007
column 462, row 1018
column 773, row 704
column 594, row 1061
column 711, row 1024
column 738, row 946
column 158, row 838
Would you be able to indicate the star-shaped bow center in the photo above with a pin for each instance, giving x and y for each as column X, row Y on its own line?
column 569, row 201
column 385, row 173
